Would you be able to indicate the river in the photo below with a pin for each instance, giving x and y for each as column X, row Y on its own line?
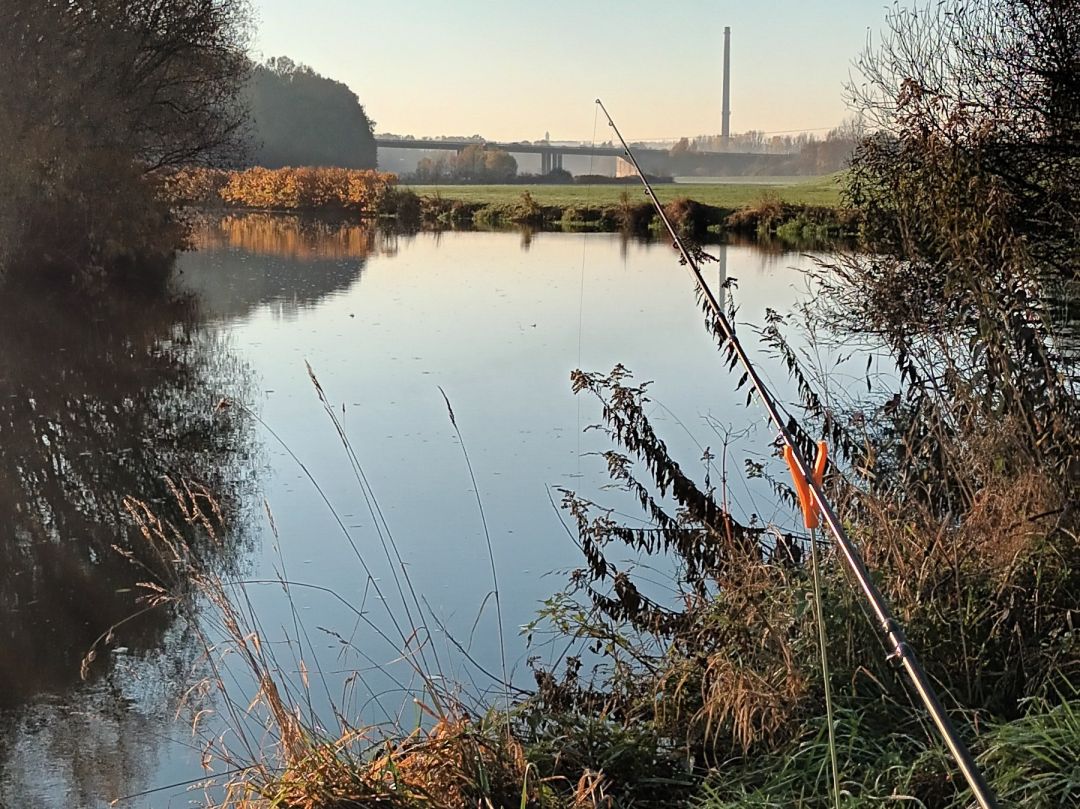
column 96, row 408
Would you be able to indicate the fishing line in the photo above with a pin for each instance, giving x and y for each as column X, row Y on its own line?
column 581, row 290
column 887, row 623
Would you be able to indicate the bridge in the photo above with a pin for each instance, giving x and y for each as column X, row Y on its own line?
column 653, row 161
column 551, row 155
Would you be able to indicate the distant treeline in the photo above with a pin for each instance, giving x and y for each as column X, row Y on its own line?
column 299, row 118
column 368, row 194
column 804, row 154
column 483, row 164
column 332, row 190
column 476, row 163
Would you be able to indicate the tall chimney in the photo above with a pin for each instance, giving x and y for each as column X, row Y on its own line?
column 726, row 125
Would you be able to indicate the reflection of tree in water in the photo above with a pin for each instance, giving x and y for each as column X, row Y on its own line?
column 100, row 743
column 292, row 237
column 93, row 409
column 302, row 260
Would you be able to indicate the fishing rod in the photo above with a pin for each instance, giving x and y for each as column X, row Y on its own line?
column 893, row 632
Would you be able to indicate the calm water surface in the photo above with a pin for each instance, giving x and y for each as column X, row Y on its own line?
column 93, row 409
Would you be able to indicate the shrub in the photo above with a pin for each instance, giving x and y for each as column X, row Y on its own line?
column 312, row 189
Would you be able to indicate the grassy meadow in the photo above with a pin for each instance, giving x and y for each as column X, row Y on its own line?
column 824, row 191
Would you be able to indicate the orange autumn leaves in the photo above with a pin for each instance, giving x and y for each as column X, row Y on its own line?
column 287, row 189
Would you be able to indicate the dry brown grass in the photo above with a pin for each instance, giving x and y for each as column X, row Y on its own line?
column 756, row 703
column 743, row 679
column 453, row 764
column 979, row 591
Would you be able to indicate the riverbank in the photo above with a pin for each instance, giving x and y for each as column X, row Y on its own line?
column 800, row 213
column 805, row 213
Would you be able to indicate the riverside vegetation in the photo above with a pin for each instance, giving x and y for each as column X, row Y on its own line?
column 957, row 477
column 800, row 212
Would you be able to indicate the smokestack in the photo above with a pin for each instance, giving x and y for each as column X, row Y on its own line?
column 726, row 125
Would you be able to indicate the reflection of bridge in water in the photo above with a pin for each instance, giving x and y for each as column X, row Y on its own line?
column 658, row 161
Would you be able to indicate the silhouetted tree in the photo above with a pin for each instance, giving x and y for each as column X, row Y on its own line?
column 986, row 89
column 97, row 98
column 969, row 187
column 300, row 118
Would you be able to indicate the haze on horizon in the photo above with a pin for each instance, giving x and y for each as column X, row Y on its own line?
column 515, row 70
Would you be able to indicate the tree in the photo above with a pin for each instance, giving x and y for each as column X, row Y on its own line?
column 431, row 171
column 969, row 186
column 499, row 165
column 99, row 98
column 300, row 118
column 986, row 88
column 476, row 163
column 468, row 164
column 681, row 147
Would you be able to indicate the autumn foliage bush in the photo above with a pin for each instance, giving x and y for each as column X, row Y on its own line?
column 289, row 189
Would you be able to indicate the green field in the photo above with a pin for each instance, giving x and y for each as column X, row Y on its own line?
column 807, row 191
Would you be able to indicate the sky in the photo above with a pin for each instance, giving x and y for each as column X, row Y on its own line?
column 516, row 69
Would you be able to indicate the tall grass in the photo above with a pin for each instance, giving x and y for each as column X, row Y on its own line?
column 269, row 734
column 1032, row 762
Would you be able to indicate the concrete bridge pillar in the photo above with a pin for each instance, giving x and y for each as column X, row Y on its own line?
column 545, row 161
column 558, row 160
column 624, row 168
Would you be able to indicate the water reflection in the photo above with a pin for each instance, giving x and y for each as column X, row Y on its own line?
column 293, row 237
column 499, row 328
column 1063, row 309
column 291, row 262
column 94, row 407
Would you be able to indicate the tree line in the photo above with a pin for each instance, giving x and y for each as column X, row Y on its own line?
column 300, row 118
column 475, row 163
column 805, row 152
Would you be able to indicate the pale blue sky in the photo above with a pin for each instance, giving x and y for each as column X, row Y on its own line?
column 515, row 69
